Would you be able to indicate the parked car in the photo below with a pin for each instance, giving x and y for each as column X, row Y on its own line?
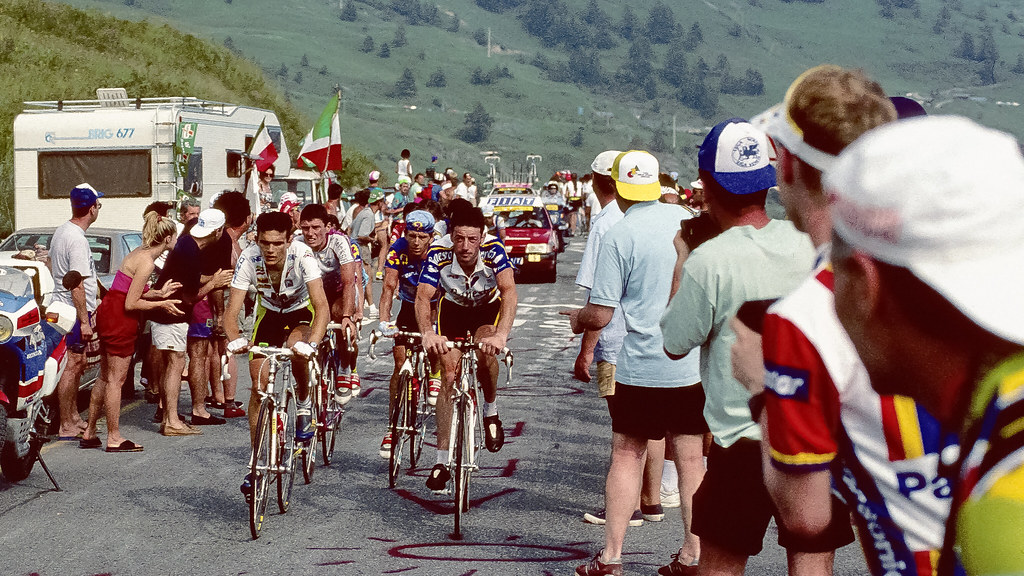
column 531, row 239
column 109, row 246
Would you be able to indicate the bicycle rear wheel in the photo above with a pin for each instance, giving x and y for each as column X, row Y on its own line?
column 399, row 428
column 260, row 469
column 286, row 452
column 332, row 410
column 308, row 450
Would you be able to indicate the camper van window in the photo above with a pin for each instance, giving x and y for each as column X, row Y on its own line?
column 100, row 248
column 234, row 159
column 194, row 172
column 118, row 173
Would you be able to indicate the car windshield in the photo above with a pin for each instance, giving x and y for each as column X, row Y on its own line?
column 526, row 218
column 15, row 282
column 99, row 245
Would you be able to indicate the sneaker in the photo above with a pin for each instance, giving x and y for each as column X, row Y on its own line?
column 246, row 486
column 380, row 275
column 494, row 434
column 438, row 478
column 597, row 568
column 670, row 499
column 342, row 389
column 353, row 381
column 304, row 428
column 637, row 519
column 385, row 446
column 232, row 411
column 652, row 513
column 677, row 568
column 433, row 389
column 371, row 312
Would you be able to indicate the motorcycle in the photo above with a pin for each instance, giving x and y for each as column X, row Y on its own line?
column 556, row 211
column 33, row 354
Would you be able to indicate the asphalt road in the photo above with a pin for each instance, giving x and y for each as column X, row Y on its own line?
column 175, row 508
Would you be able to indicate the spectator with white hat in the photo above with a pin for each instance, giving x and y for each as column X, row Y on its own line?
column 655, row 397
column 932, row 297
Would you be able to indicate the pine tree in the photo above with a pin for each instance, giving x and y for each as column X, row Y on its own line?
column 384, row 51
column 437, row 79
column 477, row 126
column 405, row 87
column 694, row 38
column 1019, row 67
column 627, row 29
column 304, row 61
column 367, row 44
column 661, row 23
column 348, row 13
column 399, row 39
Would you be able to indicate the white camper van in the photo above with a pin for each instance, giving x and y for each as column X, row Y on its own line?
column 134, row 150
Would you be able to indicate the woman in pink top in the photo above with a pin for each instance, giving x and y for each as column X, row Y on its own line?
column 117, row 324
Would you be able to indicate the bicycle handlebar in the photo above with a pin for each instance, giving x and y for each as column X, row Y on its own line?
column 348, row 334
column 507, row 357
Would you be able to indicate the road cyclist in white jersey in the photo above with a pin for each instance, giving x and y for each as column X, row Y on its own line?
column 477, row 280
column 291, row 310
column 338, row 270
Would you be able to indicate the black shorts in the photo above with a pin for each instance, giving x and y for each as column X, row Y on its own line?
column 454, row 321
column 575, row 204
column 732, row 507
column 651, row 413
column 274, row 328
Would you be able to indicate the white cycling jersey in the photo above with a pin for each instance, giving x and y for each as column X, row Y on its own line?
column 300, row 267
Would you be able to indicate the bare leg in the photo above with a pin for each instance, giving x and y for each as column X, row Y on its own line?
column 650, row 493
column 118, row 368
column 198, row 374
column 173, row 362
column 97, row 397
column 259, row 374
column 622, row 490
column 71, row 422
column 811, row 564
column 214, row 370
column 449, row 365
column 717, row 561
column 688, row 453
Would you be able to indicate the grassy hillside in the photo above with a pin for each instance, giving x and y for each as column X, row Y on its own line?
column 306, row 48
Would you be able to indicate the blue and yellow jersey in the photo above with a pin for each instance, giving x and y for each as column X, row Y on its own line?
column 443, row 272
column 408, row 269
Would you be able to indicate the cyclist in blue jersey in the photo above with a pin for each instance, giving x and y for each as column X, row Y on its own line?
column 473, row 274
column 402, row 273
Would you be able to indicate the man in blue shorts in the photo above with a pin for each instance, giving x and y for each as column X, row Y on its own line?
column 475, row 276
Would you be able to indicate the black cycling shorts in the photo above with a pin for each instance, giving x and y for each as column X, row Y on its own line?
column 274, row 328
column 454, row 321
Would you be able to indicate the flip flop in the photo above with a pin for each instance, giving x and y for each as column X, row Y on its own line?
column 90, row 443
column 126, row 446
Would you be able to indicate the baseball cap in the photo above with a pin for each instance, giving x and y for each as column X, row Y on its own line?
column 603, row 163
column 697, row 184
column 940, row 196
column 907, row 107
column 636, row 176
column 403, row 180
column 287, row 206
column 736, row 154
column 209, row 220
column 84, row 195
column 374, row 175
column 376, row 194
column 419, row 221
column 487, row 210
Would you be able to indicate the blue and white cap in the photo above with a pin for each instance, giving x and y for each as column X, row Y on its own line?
column 420, row 221
column 737, row 154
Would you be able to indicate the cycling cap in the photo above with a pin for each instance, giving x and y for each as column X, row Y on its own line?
column 419, row 221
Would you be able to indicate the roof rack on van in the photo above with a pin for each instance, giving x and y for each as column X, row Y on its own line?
column 118, row 98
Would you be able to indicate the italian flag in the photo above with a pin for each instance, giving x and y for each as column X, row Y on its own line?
column 263, row 147
column 321, row 148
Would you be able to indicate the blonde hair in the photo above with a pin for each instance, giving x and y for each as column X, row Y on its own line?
column 156, row 229
column 833, row 106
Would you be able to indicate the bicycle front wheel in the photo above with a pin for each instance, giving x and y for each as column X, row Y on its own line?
column 399, row 428
column 460, row 474
column 285, row 452
column 417, row 421
column 308, row 450
column 332, row 411
column 260, row 469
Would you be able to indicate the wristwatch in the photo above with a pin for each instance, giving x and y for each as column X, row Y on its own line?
column 756, row 405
